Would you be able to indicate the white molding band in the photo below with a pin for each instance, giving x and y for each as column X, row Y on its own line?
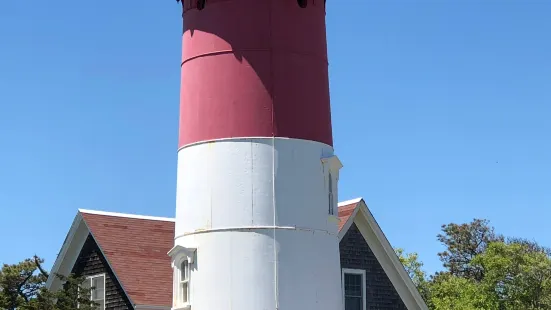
column 250, row 228
column 245, row 138
column 126, row 215
column 349, row 202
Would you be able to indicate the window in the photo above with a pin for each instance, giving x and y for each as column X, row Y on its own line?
column 183, row 262
column 330, row 167
column 183, row 288
column 331, row 197
column 96, row 284
column 353, row 282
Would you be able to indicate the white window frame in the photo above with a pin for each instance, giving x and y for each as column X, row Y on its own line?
column 180, row 255
column 180, row 302
column 364, row 291
column 89, row 279
column 331, row 167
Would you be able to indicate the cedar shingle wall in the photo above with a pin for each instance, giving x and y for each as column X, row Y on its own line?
column 356, row 254
column 91, row 262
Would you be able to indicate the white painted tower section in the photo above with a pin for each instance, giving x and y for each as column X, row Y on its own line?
column 257, row 223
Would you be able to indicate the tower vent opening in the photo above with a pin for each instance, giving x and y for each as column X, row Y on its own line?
column 302, row 3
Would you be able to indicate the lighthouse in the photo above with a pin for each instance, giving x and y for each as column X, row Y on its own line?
column 257, row 180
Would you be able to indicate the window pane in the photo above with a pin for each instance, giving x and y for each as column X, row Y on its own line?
column 353, row 291
column 353, row 285
column 330, row 195
column 184, row 269
column 99, row 290
column 353, row 303
column 184, row 292
column 101, row 305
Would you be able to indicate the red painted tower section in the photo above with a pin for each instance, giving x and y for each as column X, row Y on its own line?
column 254, row 68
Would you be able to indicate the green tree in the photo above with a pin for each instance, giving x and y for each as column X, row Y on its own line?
column 463, row 242
column 22, row 287
column 448, row 292
column 412, row 265
column 518, row 275
column 484, row 270
column 20, row 283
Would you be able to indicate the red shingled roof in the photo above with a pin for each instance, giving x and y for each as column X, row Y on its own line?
column 345, row 212
column 136, row 249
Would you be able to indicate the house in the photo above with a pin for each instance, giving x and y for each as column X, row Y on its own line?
column 125, row 257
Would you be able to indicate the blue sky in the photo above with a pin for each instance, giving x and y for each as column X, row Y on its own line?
column 440, row 109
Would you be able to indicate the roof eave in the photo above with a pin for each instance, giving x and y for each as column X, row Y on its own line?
column 73, row 242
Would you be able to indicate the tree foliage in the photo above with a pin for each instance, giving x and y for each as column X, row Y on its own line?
column 484, row 271
column 463, row 243
column 23, row 287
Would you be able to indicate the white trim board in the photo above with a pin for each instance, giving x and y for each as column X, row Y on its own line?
column 383, row 251
column 69, row 252
column 349, row 202
column 125, row 215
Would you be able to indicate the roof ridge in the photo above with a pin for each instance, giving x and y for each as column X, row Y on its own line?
column 349, row 202
column 128, row 215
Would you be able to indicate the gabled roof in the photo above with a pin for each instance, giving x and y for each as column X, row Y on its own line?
column 136, row 251
column 136, row 248
column 357, row 212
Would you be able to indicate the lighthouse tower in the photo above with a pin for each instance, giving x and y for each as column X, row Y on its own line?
column 256, row 224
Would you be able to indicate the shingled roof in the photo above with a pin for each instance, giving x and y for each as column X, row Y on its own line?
column 346, row 209
column 136, row 250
